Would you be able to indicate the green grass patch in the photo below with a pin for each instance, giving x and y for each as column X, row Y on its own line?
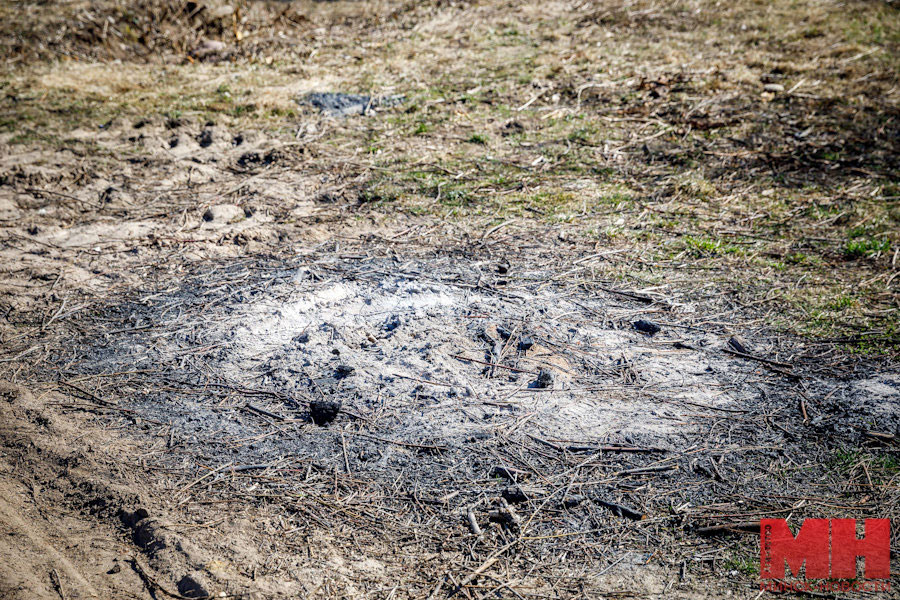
column 882, row 468
column 841, row 303
column 865, row 247
column 745, row 565
column 705, row 247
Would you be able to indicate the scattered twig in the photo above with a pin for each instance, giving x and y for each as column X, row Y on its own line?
column 761, row 359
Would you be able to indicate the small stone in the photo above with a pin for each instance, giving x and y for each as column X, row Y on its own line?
column 544, row 380
column 205, row 139
column 526, row 342
column 324, row 412
column 740, row 344
column 514, row 494
column 648, row 327
column 391, row 323
column 342, row 371
column 223, row 213
column 573, row 500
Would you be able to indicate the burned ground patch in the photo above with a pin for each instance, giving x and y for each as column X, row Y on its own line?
column 474, row 411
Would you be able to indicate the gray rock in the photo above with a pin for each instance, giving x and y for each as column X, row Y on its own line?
column 342, row 105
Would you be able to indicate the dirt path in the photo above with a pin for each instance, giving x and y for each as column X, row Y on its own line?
column 52, row 543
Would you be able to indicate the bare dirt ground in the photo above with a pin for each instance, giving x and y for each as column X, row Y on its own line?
column 194, row 258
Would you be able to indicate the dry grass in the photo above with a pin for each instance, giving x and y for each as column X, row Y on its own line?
column 644, row 128
column 638, row 126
